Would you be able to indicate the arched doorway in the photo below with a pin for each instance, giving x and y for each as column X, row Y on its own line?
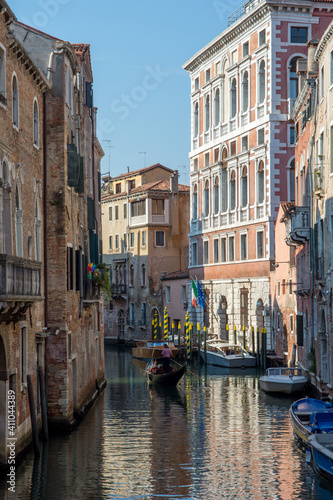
column 223, row 316
column 121, row 324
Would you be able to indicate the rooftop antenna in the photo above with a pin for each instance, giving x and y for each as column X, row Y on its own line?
column 109, row 148
column 184, row 171
column 144, row 160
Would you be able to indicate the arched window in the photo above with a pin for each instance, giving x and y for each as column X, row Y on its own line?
column 132, row 275
column 245, row 91
column 262, row 82
column 37, row 231
column 216, row 107
column 196, row 119
column 206, row 199
column 15, row 102
column 233, row 98
column 261, row 184
column 233, row 190
column 244, row 187
column 292, row 181
column 143, row 275
column 36, row 124
column 6, row 244
column 293, row 79
column 18, row 223
column 195, row 202
column 207, row 113
column 224, row 181
column 216, row 195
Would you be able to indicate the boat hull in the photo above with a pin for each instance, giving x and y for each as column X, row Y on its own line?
column 167, row 379
column 321, row 446
column 215, row 359
column 282, row 386
column 300, row 412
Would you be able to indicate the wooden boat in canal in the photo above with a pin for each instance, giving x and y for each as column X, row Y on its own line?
column 300, row 413
column 321, row 449
column 228, row 355
column 147, row 349
column 283, row 379
column 167, row 379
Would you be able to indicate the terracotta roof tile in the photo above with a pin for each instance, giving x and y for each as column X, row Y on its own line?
column 137, row 172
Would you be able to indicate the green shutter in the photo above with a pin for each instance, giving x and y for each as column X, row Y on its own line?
column 80, row 185
column 93, row 247
column 91, row 213
column 299, row 330
column 72, row 165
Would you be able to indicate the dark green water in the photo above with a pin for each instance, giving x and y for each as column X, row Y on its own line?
column 223, row 440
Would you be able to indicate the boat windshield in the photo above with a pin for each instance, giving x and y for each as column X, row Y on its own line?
column 228, row 350
column 286, row 372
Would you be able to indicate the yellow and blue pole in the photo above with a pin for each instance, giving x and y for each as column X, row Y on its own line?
column 179, row 335
column 227, row 330
column 253, row 349
column 235, row 335
column 173, row 332
column 166, row 325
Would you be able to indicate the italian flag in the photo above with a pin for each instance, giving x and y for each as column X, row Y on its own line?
column 194, row 294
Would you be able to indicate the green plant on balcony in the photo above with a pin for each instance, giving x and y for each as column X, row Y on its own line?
column 99, row 274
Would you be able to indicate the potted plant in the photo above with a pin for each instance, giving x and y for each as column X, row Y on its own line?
column 99, row 274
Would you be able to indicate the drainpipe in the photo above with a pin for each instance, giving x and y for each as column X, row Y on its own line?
column 45, row 259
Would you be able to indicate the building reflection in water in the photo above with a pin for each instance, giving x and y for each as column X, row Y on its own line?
column 223, row 439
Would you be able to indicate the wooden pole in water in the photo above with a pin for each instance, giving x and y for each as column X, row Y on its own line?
column 187, row 333
column 166, row 336
column 43, row 403
column 191, row 341
column 33, row 419
column 173, row 333
column 244, row 339
column 235, row 335
column 179, row 332
column 152, row 329
column 263, row 339
column 160, row 330
column 155, row 325
column 253, row 348
column 205, row 342
column 199, row 340
column 258, row 347
column 227, row 330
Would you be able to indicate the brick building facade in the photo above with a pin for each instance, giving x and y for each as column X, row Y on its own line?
column 50, row 228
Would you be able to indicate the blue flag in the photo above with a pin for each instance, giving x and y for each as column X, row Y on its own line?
column 201, row 295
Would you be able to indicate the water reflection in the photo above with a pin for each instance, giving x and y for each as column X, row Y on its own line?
column 220, row 439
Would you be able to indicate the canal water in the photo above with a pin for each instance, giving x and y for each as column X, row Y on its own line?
column 219, row 437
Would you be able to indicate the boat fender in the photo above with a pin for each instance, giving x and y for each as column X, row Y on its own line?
column 308, row 456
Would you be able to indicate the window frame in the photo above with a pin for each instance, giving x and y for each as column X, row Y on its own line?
column 159, row 232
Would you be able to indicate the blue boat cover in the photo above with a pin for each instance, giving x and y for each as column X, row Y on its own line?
column 321, row 422
column 310, row 405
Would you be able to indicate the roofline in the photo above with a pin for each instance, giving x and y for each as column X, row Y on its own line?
column 324, row 41
column 7, row 9
column 138, row 172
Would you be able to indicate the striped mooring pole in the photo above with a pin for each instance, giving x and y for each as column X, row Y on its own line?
column 155, row 325
column 179, row 335
column 165, row 325
column 227, row 332
column 187, row 330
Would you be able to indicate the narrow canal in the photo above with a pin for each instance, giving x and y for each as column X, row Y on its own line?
column 225, row 439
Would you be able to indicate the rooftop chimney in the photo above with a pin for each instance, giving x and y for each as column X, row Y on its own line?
column 174, row 182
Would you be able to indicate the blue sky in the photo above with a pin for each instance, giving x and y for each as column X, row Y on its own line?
column 138, row 49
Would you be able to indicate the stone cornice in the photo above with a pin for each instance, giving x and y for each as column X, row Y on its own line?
column 324, row 41
column 19, row 52
column 225, row 38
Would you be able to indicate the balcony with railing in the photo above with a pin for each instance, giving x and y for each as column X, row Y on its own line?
column 242, row 10
column 20, row 279
column 297, row 226
column 118, row 290
column 20, row 286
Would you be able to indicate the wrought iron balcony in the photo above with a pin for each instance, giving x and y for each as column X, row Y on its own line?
column 297, row 226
